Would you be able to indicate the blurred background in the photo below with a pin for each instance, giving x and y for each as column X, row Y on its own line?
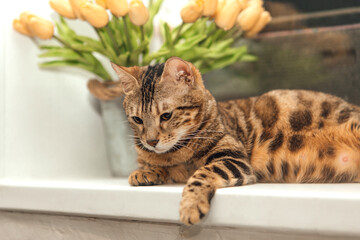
column 308, row 45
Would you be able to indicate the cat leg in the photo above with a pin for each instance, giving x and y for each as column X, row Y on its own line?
column 201, row 187
column 151, row 175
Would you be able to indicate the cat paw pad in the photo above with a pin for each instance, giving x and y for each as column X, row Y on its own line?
column 193, row 209
column 144, row 178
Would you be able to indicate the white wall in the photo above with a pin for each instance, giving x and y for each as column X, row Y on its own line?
column 49, row 127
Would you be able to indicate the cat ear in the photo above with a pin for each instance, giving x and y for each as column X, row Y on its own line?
column 126, row 76
column 179, row 71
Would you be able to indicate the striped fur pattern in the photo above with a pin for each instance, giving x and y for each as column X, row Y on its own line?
column 183, row 135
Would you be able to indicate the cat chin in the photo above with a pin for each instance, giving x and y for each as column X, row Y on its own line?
column 158, row 151
column 161, row 151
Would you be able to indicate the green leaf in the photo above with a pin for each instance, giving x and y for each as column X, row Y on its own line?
column 248, row 58
column 83, row 47
column 167, row 35
column 61, row 53
column 65, row 63
column 153, row 11
column 90, row 42
column 189, row 43
column 122, row 58
column 221, row 46
column 46, row 47
column 194, row 55
column 157, row 56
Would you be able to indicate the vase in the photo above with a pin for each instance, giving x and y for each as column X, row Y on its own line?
column 119, row 142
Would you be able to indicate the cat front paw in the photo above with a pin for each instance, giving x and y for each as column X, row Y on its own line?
column 194, row 206
column 145, row 178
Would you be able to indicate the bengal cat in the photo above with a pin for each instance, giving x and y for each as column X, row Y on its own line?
column 183, row 135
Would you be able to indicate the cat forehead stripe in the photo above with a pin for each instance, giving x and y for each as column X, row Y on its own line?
column 149, row 80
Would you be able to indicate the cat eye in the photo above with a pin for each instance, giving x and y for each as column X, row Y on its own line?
column 165, row 116
column 137, row 120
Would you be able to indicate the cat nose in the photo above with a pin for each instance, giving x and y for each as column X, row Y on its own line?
column 152, row 142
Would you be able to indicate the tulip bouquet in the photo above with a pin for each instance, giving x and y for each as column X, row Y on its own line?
column 207, row 36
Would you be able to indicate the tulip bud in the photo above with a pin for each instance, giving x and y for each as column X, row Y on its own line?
column 138, row 13
column 255, row 2
column 219, row 6
column 192, row 11
column 75, row 4
column 225, row 17
column 118, row 7
column 101, row 3
column 40, row 27
column 209, row 7
column 265, row 18
column 96, row 15
column 25, row 18
column 19, row 27
column 63, row 8
column 243, row 4
column 249, row 16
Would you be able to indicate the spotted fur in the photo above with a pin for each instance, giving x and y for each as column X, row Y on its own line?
column 291, row 136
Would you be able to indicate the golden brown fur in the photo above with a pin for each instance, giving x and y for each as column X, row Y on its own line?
column 183, row 135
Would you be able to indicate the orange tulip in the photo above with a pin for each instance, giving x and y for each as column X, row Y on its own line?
column 19, row 27
column 243, row 4
column 101, row 3
column 63, row 8
column 32, row 25
column 40, row 27
column 138, row 13
column 227, row 13
column 209, row 7
column 25, row 17
column 192, row 11
column 247, row 18
column 265, row 18
column 254, row 2
column 95, row 14
column 118, row 7
column 75, row 4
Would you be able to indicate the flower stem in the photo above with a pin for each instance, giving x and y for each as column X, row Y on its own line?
column 178, row 33
column 66, row 45
column 116, row 46
column 100, row 37
column 126, row 29
column 142, row 33
column 101, row 70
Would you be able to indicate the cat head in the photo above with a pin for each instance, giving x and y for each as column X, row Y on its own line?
column 164, row 103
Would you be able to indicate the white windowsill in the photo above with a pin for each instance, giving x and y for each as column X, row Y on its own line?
column 316, row 208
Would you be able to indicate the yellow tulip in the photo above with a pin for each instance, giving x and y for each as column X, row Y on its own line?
column 40, row 27
column 209, row 7
column 138, row 13
column 192, row 11
column 227, row 13
column 63, row 8
column 265, row 18
column 118, row 7
column 247, row 18
column 19, row 27
column 95, row 14
column 101, row 3
column 75, row 4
